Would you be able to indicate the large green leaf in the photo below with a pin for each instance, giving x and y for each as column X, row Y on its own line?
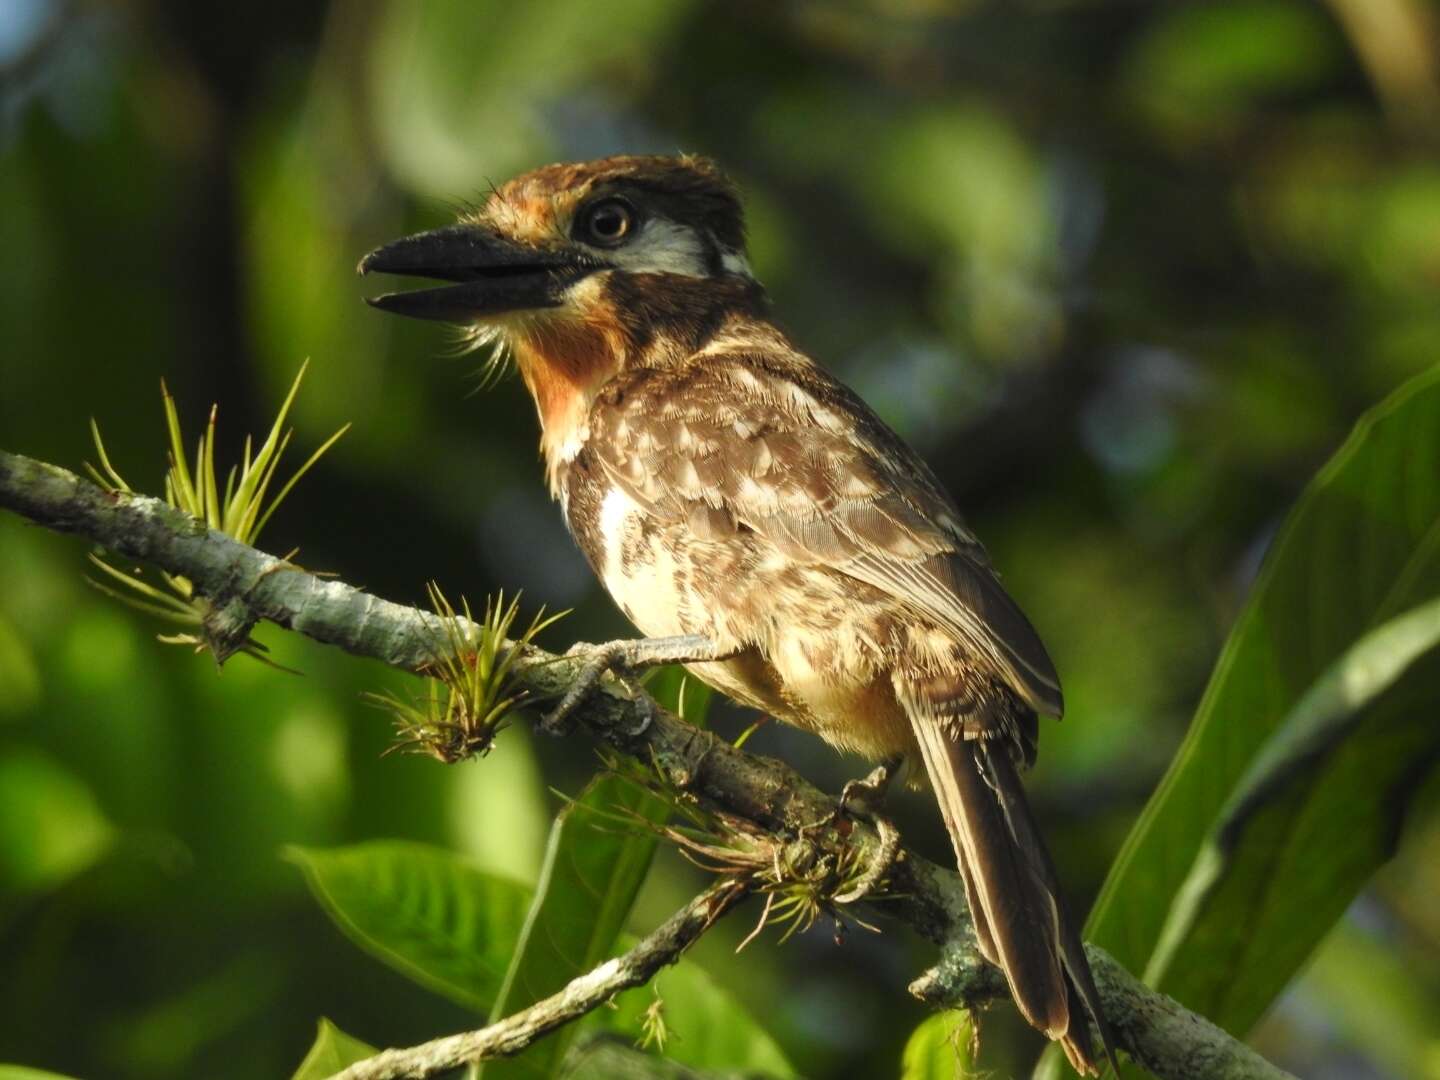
column 1307, row 825
column 423, row 911
column 710, row 1029
column 594, row 867
column 332, row 1051
column 940, row 1048
column 706, row 1028
column 1361, row 547
column 451, row 927
column 597, row 859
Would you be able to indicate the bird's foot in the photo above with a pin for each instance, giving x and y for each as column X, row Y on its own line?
column 864, row 798
column 869, row 791
column 623, row 658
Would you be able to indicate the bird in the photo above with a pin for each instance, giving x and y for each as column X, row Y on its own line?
column 753, row 517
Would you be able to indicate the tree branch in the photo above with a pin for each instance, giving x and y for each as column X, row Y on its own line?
column 579, row 996
column 244, row 585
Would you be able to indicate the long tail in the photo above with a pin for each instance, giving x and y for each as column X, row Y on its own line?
column 1014, row 897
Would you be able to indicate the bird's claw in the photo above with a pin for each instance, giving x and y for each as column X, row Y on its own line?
column 868, row 791
column 609, row 657
column 623, row 658
column 863, row 798
column 879, row 864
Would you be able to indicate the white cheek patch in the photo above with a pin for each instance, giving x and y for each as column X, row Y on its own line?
column 666, row 247
column 736, row 263
column 663, row 247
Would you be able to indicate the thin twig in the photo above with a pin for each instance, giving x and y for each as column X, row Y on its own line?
column 579, row 996
column 249, row 585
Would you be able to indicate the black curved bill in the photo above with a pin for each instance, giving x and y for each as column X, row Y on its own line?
column 492, row 274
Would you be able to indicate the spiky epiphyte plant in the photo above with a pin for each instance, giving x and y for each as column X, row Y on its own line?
column 800, row 885
column 470, row 692
column 801, row 880
column 240, row 511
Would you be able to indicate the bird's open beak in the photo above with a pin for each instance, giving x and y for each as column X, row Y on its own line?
column 493, row 275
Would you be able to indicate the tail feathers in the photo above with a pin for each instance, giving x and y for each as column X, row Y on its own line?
column 1012, row 890
column 1000, row 767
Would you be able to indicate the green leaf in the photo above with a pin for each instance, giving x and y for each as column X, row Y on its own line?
column 333, row 1050
column 50, row 825
column 499, row 815
column 22, row 1072
column 604, row 1058
column 1313, row 817
column 707, row 1028
column 940, row 1047
column 425, row 912
column 597, row 859
column 1361, row 546
column 680, row 692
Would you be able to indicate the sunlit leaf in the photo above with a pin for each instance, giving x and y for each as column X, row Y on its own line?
column 1361, row 547
column 1315, row 814
column 331, row 1052
column 940, row 1047
column 425, row 912
column 594, row 866
column 708, row 1028
column 596, row 861
column 499, row 815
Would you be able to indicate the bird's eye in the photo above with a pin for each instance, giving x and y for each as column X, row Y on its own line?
column 607, row 223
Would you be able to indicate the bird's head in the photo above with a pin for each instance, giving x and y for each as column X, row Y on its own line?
column 582, row 269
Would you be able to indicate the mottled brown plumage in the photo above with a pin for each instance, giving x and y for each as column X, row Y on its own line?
column 722, row 484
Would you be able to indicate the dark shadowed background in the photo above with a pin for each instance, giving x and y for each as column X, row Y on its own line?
column 1125, row 273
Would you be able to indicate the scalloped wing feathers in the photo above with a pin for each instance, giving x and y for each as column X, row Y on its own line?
column 738, row 440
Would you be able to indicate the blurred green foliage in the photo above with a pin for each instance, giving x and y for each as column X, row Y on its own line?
column 1125, row 273
column 332, row 1051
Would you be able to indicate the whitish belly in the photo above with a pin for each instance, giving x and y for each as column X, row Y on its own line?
column 642, row 572
column 810, row 656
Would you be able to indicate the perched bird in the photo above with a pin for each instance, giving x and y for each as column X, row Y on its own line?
column 741, row 503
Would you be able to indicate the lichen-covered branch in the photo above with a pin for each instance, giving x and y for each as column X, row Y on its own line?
column 581, row 995
column 244, row 585
column 1168, row 1038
